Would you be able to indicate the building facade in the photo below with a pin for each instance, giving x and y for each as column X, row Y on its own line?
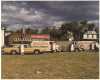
column 25, row 38
column 90, row 35
column 19, row 38
column 2, row 38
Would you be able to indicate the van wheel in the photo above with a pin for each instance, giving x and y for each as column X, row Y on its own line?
column 13, row 52
column 36, row 51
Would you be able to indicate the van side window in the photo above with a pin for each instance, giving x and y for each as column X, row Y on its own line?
column 25, row 46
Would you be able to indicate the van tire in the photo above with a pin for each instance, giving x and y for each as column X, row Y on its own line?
column 36, row 51
column 13, row 52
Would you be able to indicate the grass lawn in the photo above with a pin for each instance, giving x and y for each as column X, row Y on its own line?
column 51, row 66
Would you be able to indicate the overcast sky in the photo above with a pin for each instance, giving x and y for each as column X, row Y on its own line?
column 48, row 13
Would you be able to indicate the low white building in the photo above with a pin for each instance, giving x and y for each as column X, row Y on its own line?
column 90, row 35
column 2, row 36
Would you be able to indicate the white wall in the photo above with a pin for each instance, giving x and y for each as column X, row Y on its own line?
column 85, row 36
column 2, row 38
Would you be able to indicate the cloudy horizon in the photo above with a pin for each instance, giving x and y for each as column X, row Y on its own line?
column 47, row 13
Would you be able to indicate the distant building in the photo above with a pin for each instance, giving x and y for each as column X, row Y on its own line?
column 2, row 37
column 7, row 33
column 3, row 29
column 90, row 35
column 19, row 38
column 40, row 37
column 24, row 38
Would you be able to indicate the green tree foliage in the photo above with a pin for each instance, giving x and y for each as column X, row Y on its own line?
column 72, row 27
column 91, row 27
column 4, row 26
column 28, row 30
column 67, row 30
column 53, row 34
column 45, row 30
column 31, row 31
column 76, row 28
column 35, row 31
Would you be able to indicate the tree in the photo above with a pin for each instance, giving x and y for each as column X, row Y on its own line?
column 31, row 31
column 83, row 27
column 71, row 27
column 83, row 22
column 35, row 31
column 76, row 28
column 45, row 30
column 28, row 30
column 55, row 34
column 97, row 29
column 91, row 27
column 4, row 26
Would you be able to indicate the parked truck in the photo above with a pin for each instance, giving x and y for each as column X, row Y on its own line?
column 10, row 50
column 35, row 47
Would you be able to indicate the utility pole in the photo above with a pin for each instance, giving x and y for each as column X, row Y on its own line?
column 22, row 46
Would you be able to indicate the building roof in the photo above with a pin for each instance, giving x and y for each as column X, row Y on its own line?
column 91, row 32
column 40, row 36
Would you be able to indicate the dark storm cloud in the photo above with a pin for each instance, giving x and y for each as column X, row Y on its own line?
column 47, row 13
column 74, row 10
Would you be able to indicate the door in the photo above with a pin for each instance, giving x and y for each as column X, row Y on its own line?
column 22, row 49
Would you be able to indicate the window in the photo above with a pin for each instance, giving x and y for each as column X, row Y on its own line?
column 85, row 36
column 92, row 35
column 25, row 46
